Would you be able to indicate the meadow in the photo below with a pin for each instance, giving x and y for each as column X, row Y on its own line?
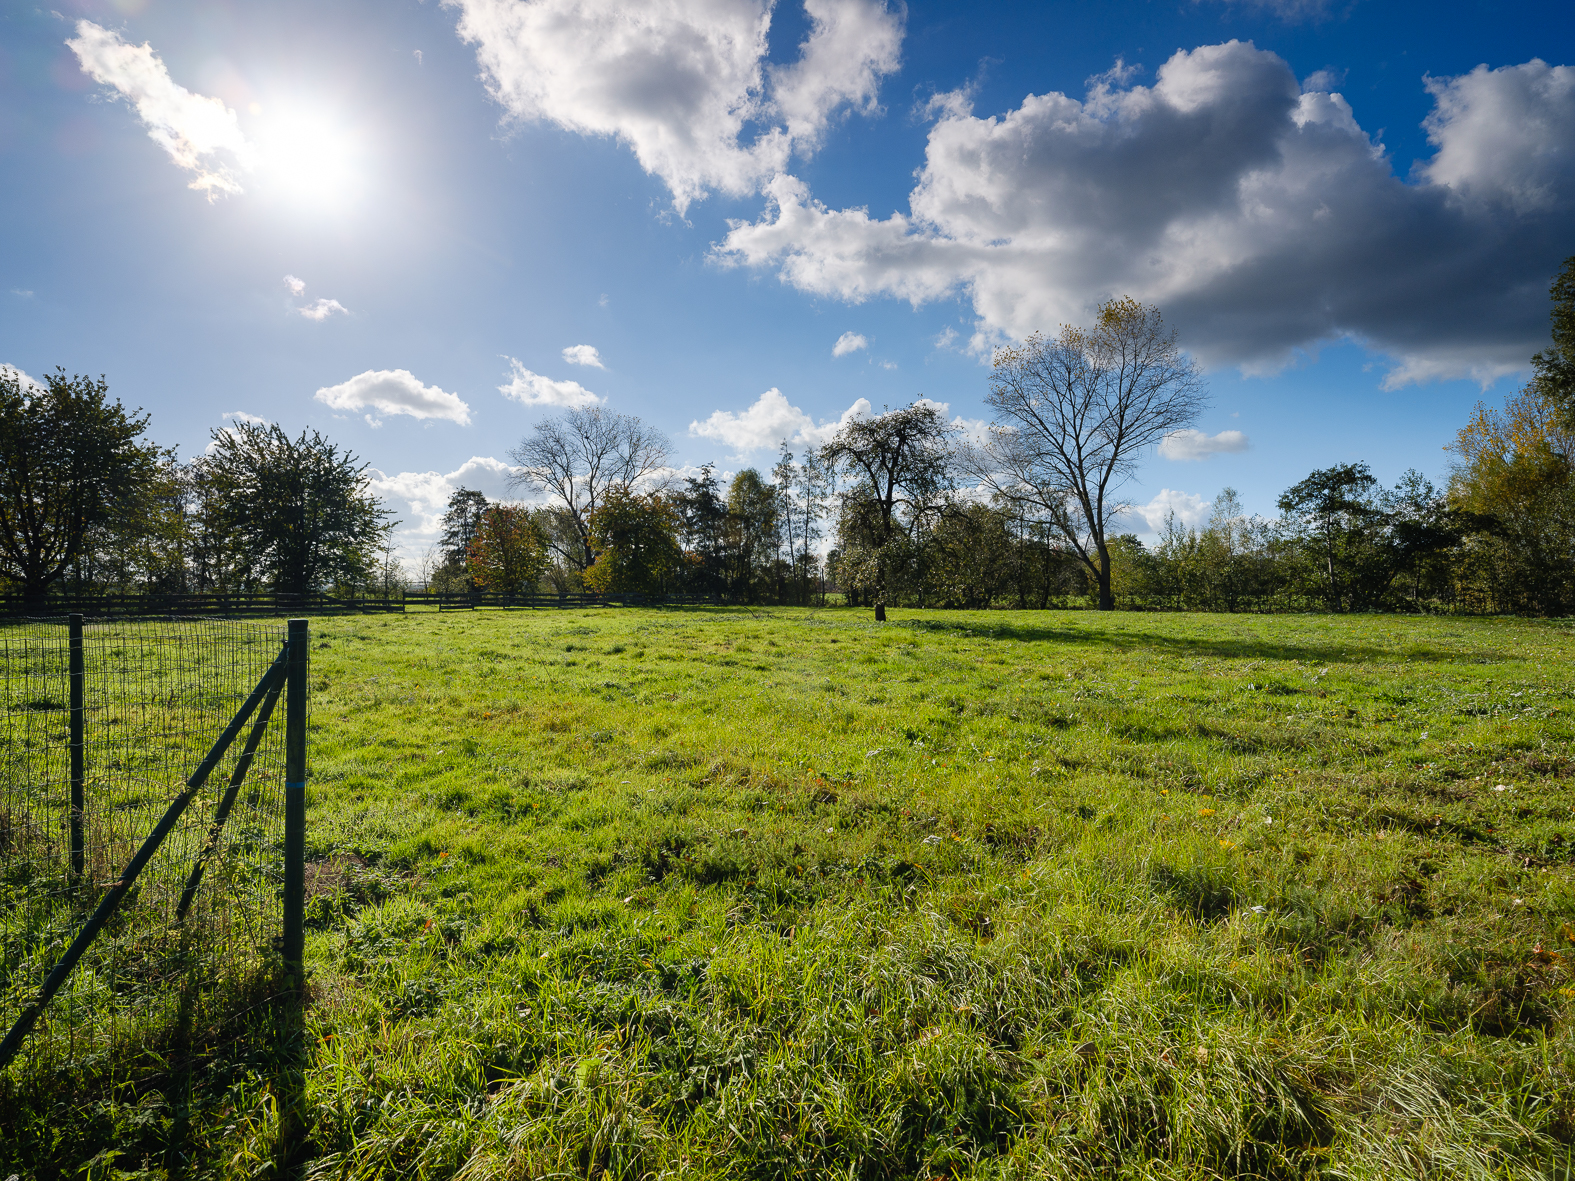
column 787, row 893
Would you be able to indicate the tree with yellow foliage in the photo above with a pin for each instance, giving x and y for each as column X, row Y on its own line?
column 1513, row 465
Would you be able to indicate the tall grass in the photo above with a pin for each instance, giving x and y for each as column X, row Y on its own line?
column 729, row 894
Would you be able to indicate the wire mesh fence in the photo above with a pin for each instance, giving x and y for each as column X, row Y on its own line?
column 102, row 726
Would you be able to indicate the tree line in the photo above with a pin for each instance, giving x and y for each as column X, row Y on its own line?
column 899, row 508
column 1030, row 514
column 89, row 505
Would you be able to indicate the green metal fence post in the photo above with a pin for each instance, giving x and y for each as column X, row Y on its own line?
column 78, row 679
column 291, row 1083
column 295, row 804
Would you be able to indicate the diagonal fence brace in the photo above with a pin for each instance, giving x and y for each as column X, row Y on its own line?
column 222, row 813
column 117, row 892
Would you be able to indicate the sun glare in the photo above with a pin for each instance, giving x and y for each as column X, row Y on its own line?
column 310, row 159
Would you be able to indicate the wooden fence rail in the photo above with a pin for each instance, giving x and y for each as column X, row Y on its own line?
column 14, row 606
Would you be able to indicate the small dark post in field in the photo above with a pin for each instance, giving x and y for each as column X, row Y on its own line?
column 78, row 677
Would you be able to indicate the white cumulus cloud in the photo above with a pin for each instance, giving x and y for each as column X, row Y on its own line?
column 318, row 310
column 583, row 354
column 322, row 309
column 532, row 389
column 394, row 391
column 851, row 45
column 1263, row 220
column 683, row 83
column 422, row 497
column 194, row 129
column 1191, row 510
column 1326, row 79
column 1193, row 444
column 849, row 342
column 1505, row 137
column 771, row 420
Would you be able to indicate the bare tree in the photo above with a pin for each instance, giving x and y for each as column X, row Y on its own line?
column 581, row 456
column 432, row 559
column 901, row 466
column 1076, row 414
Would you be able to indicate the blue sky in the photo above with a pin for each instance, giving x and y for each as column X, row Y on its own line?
column 410, row 218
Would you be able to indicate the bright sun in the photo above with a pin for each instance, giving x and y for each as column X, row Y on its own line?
column 309, row 158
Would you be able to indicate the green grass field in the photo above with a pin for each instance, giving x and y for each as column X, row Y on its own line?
column 791, row 894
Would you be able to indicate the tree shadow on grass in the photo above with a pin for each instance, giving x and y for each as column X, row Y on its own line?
column 132, row 1095
column 1238, row 647
column 1222, row 647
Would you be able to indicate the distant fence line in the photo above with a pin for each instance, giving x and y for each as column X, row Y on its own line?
column 109, row 606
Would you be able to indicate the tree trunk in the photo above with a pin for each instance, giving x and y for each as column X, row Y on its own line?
column 1334, row 588
column 1107, row 601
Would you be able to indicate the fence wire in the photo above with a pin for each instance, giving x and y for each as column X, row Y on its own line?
column 155, row 985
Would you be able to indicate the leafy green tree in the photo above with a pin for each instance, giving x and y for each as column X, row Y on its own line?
column 969, row 556
column 142, row 545
column 635, row 539
column 1335, row 515
column 1423, row 529
column 1512, row 481
column 900, row 465
column 868, row 557
column 508, row 550
column 565, row 549
column 1042, row 566
column 702, row 530
column 297, row 512
column 1131, row 566
column 801, row 490
column 753, row 536
column 1553, row 369
column 461, row 521
column 72, row 464
column 1231, row 564
column 1244, row 551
